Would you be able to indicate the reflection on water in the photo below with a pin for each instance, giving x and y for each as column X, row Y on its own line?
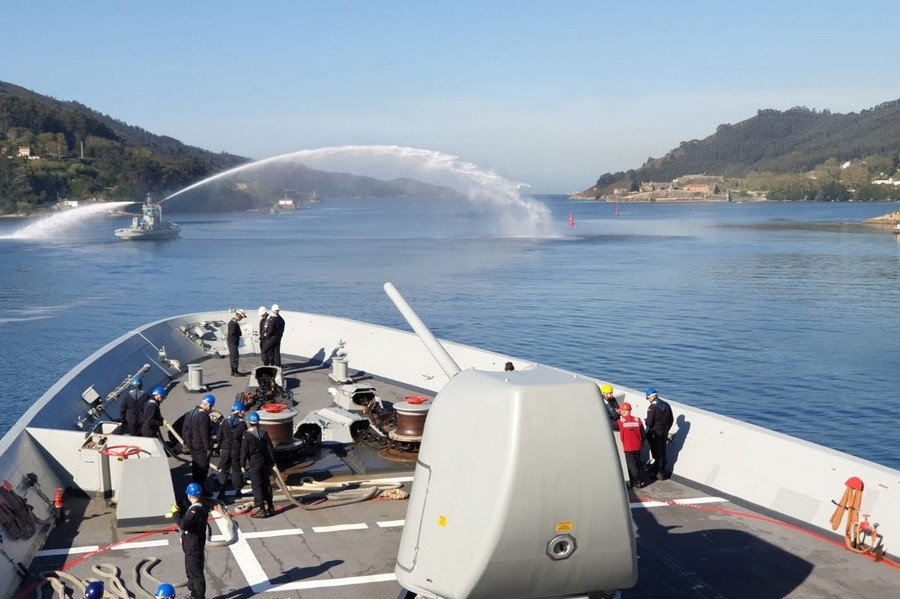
column 783, row 315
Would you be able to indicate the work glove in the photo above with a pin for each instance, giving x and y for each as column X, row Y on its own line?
column 165, row 424
column 172, row 512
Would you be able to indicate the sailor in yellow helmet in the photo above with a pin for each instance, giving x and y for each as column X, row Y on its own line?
column 610, row 402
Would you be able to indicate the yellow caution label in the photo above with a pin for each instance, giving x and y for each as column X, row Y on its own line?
column 565, row 526
column 442, row 521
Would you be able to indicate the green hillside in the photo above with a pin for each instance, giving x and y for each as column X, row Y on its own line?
column 51, row 150
column 796, row 154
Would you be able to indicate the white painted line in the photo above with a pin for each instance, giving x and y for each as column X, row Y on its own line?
column 333, row 582
column 340, row 527
column 67, row 551
column 246, row 559
column 391, row 523
column 142, row 544
column 92, row 548
column 691, row 501
column 264, row 534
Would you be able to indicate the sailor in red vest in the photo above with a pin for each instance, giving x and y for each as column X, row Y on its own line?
column 631, row 430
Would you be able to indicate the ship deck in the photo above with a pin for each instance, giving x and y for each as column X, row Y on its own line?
column 690, row 541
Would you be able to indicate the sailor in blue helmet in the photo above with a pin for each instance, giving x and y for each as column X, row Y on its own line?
column 94, row 590
column 197, row 434
column 133, row 406
column 659, row 421
column 193, row 541
column 165, row 590
column 231, row 433
column 151, row 417
column 258, row 455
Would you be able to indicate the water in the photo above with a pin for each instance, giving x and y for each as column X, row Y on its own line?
column 784, row 315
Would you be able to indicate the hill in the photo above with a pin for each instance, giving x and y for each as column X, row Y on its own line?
column 52, row 150
column 798, row 149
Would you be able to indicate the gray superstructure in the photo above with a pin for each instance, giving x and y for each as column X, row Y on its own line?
column 149, row 225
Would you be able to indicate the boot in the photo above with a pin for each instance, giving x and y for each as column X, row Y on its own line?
column 261, row 513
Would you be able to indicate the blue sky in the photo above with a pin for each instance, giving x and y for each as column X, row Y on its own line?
column 552, row 94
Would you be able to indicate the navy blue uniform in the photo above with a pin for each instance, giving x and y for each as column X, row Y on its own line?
column 659, row 421
column 258, row 454
column 196, row 433
column 131, row 410
column 151, row 419
column 232, row 432
column 234, row 339
column 193, row 543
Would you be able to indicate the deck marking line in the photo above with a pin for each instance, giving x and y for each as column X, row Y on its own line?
column 67, row 551
column 264, row 534
column 340, row 527
column 333, row 582
column 142, row 544
column 691, row 501
column 391, row 523
column 246, row 559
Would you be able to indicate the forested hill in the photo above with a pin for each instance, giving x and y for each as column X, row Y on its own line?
column 56, row 149
column 794, row 141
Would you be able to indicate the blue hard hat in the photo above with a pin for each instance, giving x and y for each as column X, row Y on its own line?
column 237, row 407
column 210, row 399
column 193, row 489
column 651, row 391
column 165, row 590
column 94, row 590
column 159, row 391
column 253, row 418
column 137, row 381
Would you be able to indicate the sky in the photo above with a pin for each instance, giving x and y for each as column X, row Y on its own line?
column 548, row 94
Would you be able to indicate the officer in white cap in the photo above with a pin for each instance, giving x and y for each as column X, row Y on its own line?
column 233, row 340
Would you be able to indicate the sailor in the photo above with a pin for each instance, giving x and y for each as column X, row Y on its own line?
column 659, row 421
column 276, row 332
column 132, row 407
column 94, row 590
column 611, row 403
column 263, row 334
column 234, row 340
column 631, row 431
column 232, row 432
column 165, row 590
column 197, row 433
column 258, row 456
column 193, row 542
column 151, row 418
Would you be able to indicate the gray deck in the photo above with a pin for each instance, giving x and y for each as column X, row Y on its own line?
column 706, row 547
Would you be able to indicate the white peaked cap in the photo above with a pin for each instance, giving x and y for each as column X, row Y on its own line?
column 262, row 310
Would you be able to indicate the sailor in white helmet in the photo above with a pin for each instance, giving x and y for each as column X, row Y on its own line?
column 276, row 332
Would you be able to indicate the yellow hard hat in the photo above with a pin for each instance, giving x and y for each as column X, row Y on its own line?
column 606, row 388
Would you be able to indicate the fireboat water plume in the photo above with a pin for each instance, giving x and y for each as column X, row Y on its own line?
column 498, row 198
column 60, row 224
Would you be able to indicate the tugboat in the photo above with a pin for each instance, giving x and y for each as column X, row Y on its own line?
column 150, row 225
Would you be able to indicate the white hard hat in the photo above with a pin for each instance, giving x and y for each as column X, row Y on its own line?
column 241, row 313
column 262, row 310
column 274, row 307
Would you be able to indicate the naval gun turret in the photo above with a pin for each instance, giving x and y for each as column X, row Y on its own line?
column 536, row 508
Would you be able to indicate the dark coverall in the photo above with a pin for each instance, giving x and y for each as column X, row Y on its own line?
column 230, row 454
column 131, row 411
column 233, row 339
column 258, row 453
column 659, row 421
column 276, row 332
column 196, row 433
column 267, row 343
column 193, row 543
column 151, row 419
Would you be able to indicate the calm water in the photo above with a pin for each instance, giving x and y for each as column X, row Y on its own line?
column 783, row 315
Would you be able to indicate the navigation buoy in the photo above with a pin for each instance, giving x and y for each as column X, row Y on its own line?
column 571, row 219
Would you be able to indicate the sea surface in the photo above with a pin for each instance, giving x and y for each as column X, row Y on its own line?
column 784, row 315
